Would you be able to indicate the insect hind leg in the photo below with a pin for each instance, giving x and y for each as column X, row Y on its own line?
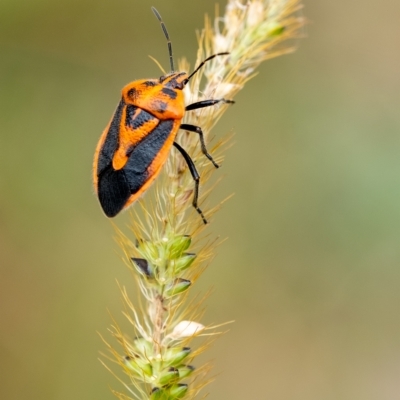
column 196, row 178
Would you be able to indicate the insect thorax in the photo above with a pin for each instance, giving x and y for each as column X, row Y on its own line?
column 161, row 97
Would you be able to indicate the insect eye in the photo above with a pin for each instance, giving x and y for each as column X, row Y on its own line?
column 162, row 78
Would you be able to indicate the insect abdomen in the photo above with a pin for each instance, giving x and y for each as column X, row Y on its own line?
column 116, row 187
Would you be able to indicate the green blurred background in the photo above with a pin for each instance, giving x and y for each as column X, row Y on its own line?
column 311, row 270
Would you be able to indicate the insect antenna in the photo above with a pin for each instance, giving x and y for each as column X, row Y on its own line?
column 202, row 63
column 171, row 59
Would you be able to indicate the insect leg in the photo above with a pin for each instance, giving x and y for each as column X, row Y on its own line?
column 197, row 129
column 207, row 103
column 196, row 178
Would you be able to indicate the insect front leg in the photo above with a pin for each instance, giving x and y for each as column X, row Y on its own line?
column 196, row 178
column 197, row 129
column 207, row 103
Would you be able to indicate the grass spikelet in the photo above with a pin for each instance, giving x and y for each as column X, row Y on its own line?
column 170, row 247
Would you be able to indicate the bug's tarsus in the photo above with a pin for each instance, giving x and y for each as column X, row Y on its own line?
column 196, row 178
column 202, row 63
column 164, row 28
column 197, row 129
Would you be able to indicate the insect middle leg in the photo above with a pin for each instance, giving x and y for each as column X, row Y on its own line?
column 197, row 129
column 196, row 178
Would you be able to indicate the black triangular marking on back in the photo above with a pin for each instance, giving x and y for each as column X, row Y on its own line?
column 135, row 122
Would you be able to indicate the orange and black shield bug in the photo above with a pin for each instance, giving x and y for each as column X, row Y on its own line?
column 136, row 143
